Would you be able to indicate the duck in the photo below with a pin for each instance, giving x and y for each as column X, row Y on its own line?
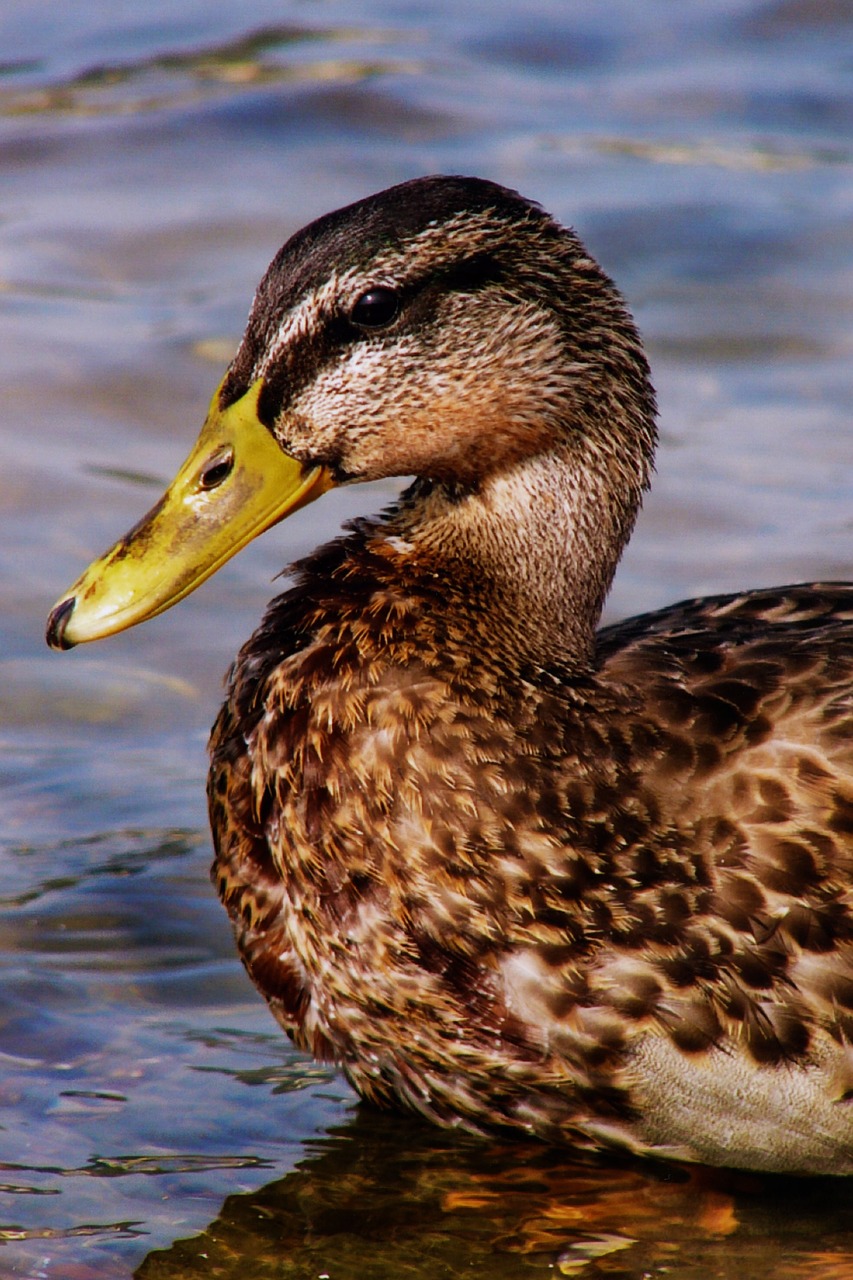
column 510, row 870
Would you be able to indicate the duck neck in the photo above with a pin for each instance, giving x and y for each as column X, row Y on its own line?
column 533, row 550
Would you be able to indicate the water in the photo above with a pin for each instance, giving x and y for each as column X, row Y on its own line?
column 153, row 160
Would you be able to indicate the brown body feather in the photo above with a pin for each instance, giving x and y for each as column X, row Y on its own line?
column 479, row 888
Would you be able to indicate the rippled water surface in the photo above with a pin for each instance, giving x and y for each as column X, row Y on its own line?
column 153, row 158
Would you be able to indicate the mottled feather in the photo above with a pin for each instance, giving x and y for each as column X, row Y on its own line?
column 504, row 870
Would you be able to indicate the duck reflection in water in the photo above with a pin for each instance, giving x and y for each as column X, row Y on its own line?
column 386, row 1197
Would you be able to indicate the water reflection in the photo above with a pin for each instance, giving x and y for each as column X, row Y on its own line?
column 179, row 79
column 382, row 1197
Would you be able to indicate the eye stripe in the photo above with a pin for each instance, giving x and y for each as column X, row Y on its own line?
column 315, row 332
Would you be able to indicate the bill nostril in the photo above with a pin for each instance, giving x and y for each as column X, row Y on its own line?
column 217, row 470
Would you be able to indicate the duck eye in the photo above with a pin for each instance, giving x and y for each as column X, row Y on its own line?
column 375, row 308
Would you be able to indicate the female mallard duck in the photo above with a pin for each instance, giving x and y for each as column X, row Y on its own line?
column 506, row 870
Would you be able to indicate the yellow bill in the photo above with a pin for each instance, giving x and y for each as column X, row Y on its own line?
column 236, row 482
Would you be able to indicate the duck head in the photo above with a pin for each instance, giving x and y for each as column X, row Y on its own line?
column 446, row 329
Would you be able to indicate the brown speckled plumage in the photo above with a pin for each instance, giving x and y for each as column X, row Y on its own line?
column 503, row 869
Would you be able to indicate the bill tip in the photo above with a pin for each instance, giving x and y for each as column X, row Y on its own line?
column 58, row 622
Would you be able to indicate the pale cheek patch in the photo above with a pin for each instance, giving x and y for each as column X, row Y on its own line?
column 406, row 407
